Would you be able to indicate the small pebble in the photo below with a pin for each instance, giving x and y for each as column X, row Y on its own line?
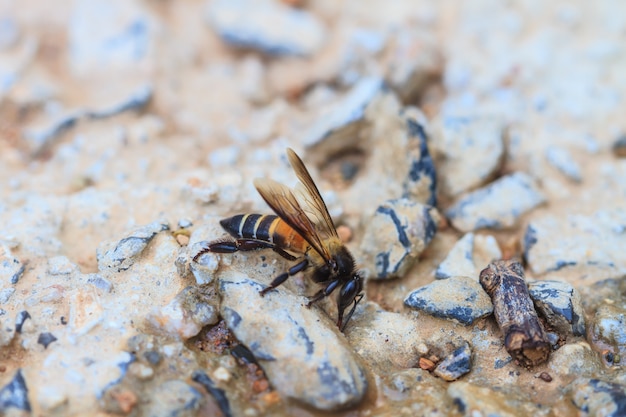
column 15, row 394
column 345, row 114
column 455, row 298
column 455, row 365
column 562, row 160
column 591, row 243
column 11, row 269
column 22, row 316
column 560, row 304
column 60, row 265
column 545, row 376
column 222, row 374
column 185, row 316
column 459, row 261
column 497, row 205
column 120, row 255
column 472, row 149
column 396, row 235
column 45, row 339
column 595, row 397
column 268, row 27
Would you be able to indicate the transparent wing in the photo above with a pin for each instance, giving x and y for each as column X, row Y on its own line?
column 310, row 195
column 284, row 203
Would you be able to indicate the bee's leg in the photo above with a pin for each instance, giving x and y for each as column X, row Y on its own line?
column 230, row 246
column 324, row 292
column 300, row 266
column 342, row 324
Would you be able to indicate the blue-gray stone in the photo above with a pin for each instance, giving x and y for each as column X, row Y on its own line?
column 11, row 269
column 592, row 244
column 120, row 255
column 40, row 139
column 496, row 206
column 346, row 115
column 15, row 394
column 422, row 178
column 596, row 397
column 108, row 34
column 45, row 339
column 562, row 160
column 456, row 298
column 291, row 341
column 269, row 27
column 456, row 364
column 560, row 303
column 396, row 235
column 460, row 259
column 137, row 100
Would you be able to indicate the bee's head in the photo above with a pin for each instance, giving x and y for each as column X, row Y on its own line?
column 351, row 292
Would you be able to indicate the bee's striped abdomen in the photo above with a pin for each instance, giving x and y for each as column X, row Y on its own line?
column 266, row 227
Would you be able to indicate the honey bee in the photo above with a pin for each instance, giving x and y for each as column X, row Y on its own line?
column 310, row 239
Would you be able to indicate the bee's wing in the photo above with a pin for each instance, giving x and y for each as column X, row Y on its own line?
column 314, row 203
column 284, row 203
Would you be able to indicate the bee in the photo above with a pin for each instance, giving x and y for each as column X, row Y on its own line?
column 309, row 239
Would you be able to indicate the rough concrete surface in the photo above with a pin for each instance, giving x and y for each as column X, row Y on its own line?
column 442, row 135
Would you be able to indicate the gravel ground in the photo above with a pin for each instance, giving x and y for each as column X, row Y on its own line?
column 442, row 136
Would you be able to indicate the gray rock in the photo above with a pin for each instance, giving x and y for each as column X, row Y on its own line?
column 291, row 341
column 15, row 394
column 592, row 242
column 342, row 120
column 496, row 206
column 396, row 235
column 460, row 259
column 21, row 317
column 174, row 398
column 384, row 339
column 472, row 150
column 60, row 265
column 456, row 298
column 421, row 182
column 607, row 333
column 476, row 400
column 575, row 359
column 136, row 100
column 7, row 332
column 120, row 255
column 455, row 365
column 269, row 27
column 11, row 269
column 5, row 294
column 595, row 397
column 562, row 160
column 45, row 339
column 99, row 282
column 560, row 303
column 192, row 309
column 414, row 61
column 108, row 34
column 471, row 250
column 40, row 138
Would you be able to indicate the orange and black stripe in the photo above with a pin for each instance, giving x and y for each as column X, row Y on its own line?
column 265, row 227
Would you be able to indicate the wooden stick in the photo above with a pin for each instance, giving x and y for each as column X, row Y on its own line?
column 515, row 313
